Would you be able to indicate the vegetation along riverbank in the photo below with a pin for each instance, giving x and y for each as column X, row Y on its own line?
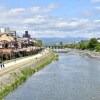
column 90, row 47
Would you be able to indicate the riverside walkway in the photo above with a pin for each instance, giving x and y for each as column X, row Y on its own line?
column 19, row 63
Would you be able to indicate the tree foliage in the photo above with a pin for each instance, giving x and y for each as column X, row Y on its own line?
column 61, row 43
column 92, row 43
column 37, row 44
column 84, row 45
column 97, row 48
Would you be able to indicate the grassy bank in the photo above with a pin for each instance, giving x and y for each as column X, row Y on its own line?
column 28, row 72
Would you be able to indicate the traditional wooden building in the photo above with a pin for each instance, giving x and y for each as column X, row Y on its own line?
column 6, row 41
column 12, row 46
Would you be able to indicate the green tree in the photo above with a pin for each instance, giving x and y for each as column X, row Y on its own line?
column 37, row 44
column 61, row 43
column 84, row 45
column 92, row 43
column 97, row 48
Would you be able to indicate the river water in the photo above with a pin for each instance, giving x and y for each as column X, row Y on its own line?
column 73, row 77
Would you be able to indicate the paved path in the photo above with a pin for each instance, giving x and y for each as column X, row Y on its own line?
column 22, row 61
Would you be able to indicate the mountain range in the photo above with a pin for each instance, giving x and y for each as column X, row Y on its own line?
column 55, row 40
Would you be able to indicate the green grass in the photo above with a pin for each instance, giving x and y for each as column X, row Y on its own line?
column 7, row 89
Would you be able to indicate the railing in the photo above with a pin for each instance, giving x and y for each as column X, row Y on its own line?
column 9, row 51
column 5, row 51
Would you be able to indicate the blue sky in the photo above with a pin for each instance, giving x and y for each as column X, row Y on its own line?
column 66, row 8
column 52, row 18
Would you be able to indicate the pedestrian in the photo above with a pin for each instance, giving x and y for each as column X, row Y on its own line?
column 3, row 65
column 15, row 60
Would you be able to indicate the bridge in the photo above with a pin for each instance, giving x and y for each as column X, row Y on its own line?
column 58, row 48
column 55, row 47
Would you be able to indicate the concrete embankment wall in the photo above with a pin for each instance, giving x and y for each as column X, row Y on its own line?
column 12, row 79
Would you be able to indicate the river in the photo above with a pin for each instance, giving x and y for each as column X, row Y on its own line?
column 73, row 77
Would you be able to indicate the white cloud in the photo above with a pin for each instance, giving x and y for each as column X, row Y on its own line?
column 17, row 10
column 8, row 12
column 98, row 7
column 72, row 23
column 95, row 0
column 35, row 20
column 38, row 10
column 87, row 13
column 61, row 27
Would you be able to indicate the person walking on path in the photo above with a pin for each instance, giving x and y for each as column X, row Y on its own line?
column 15, row 60
column 3, row 65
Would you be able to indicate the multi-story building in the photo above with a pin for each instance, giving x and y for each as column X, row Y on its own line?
column 26, row 35
column 9, row 39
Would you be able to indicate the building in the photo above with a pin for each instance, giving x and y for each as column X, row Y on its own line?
column 10, row 33
column 1, row 44
column 13, row 46
column 25, row 41
column 98, row 39
column 9, row 39
column 2, row 30
column 6, row 41
column 26, row 35
column 84, row 40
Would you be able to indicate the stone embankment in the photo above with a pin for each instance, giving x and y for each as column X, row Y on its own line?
column 12, row 79
column 91, row 54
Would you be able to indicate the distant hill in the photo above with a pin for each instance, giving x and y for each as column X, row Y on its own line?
column 65, row 40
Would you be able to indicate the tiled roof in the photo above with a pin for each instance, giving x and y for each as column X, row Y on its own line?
column 6, row 37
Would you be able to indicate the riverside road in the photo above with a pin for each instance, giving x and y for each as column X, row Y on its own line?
column 21, row 62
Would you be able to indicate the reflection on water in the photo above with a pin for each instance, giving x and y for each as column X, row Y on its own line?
column 73, row 77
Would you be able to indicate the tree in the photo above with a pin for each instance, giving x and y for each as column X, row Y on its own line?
column 92, row 43
column 84, row 45
column 61, row 43
column 97, row 48
column 37, row 44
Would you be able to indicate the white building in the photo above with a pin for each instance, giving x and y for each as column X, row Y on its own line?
column 98, row 39
column 4, row 30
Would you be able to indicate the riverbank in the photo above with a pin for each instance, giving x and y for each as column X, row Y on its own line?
column 91, row 54
column 14, row 78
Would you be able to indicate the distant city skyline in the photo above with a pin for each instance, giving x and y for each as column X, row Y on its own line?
column 52, row 18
